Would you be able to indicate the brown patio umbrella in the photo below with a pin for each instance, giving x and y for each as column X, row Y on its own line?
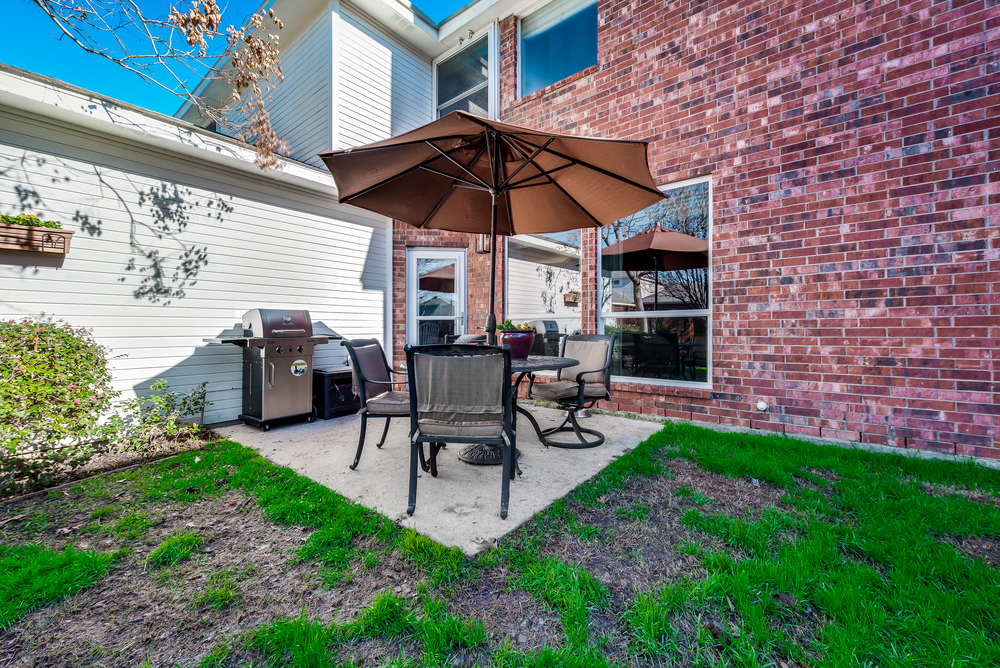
column 657, row 249
column 469, row 174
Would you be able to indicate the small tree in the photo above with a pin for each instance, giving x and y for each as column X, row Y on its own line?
column 54, row 387
column 167, row 51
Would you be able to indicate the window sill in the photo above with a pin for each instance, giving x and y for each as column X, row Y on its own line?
column 551, row 88
column 660, row 387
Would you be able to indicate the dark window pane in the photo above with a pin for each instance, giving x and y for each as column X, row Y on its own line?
column 436, row 331
column 665, row 348
column 477, row 103
column 556, row 43
column 463, row 71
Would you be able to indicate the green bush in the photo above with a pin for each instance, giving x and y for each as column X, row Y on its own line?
column 145, row 421
column 30, row 221
column 54, row 387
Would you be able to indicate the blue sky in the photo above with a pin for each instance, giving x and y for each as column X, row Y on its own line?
column 32, row 44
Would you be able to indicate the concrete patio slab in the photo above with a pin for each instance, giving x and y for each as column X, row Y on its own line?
column 461, row 507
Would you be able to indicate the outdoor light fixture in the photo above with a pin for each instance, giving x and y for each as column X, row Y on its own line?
column 482, row 244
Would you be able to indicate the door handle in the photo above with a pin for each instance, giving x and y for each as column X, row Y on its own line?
column 270, row 382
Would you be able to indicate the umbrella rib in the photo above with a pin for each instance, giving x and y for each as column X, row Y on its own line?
column 438, row 206
column 470, row 184
column 605, row 172
column 392, row 178
column 526, row 162
column 561, row 189
column 521, row 183
column 458, row 164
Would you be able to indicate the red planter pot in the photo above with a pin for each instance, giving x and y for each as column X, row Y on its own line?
column 519, row 341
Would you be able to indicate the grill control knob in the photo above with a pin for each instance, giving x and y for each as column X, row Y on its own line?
column 278, row 350
column 299, row 349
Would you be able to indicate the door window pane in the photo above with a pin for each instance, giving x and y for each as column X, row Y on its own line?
column 557, row 41
column 436, row 331
column 436, row 287
column 463, row 80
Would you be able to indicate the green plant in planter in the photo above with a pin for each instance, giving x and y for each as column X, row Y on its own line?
column 30, row 221
column 508, row 326
column 145, row 421
column 54, row 387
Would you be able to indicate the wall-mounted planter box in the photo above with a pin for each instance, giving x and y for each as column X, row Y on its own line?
column 34, row 239
column 571, row 298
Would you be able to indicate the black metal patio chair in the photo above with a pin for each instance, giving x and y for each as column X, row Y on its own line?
column 579, row 387
column 460, row 394
column 373, row 382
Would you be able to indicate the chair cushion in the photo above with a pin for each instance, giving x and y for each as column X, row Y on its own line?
column 566, row 390
column 391, row 403
column 448, row 429
column 591, row 355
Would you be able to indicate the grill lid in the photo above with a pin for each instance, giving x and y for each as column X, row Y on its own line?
column 277, row 323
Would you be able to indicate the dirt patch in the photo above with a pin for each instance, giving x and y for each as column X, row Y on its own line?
column 138, row 611
column 978, row 547
column 973, row 495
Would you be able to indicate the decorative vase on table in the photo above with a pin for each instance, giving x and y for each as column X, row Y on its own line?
column 519, row 340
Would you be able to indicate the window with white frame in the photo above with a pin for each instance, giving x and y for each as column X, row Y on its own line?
column 463, row 80
column 543, row 286
column 655, row 287
column 557, row 41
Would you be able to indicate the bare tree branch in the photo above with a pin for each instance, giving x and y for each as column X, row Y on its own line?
column 149, row 47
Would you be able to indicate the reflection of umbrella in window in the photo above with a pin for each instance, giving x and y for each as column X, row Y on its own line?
column 439, row 280
column 657, row 249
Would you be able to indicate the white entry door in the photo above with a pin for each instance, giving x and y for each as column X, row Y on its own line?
column 435, row 295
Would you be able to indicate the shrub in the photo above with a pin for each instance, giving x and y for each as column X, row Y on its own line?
column 54, row 387
column 145, row 421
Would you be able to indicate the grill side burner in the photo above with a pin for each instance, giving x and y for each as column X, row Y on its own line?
column 278, row 347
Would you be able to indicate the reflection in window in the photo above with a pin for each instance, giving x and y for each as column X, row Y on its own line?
column 436, row 300
column 463, row 81
column 654, row 287
column 543, row 286
column 558, row 40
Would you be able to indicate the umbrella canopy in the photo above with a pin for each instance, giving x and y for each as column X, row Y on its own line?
column 656, row 249
column 469, row 174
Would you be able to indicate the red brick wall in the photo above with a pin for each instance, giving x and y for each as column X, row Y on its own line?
column 477, row 280
column 853, row 148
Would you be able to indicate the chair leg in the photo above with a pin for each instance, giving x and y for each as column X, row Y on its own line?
column 361, row 441
column 423, row 458
column 578, row 430
column 508, row 454
column 435, row 447
column 413, row 477
column 384, row 432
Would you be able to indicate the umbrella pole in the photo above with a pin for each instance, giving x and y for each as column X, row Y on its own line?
column 656, row 284
column 491, row 319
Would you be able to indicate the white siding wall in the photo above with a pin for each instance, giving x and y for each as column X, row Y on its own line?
column 384, row 88
column 301, row 105
column 146, row 219
column 534, row 289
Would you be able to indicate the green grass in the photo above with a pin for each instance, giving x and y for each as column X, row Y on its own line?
column 178, row 547
column 32, row 576
column 854, row 568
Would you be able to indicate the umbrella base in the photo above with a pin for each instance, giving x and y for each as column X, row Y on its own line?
column 481, row 454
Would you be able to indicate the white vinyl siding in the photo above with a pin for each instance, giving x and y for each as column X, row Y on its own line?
column 301, row 105
column 535, row 289
column 384, row 89
column 257, row 241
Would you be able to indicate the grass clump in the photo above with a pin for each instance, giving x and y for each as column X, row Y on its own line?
column 222, row 589
column 569, row 589
column 32, row 576
column 176, row 548
column 387, row 616
column 133, row 526
column 649, row 620
column 296, row 643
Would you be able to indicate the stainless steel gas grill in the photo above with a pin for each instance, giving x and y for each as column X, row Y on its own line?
column 277, row 365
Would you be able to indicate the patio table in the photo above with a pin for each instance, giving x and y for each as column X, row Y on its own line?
column 486, row 454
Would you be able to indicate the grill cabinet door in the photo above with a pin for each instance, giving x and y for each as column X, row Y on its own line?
column 288, row 388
